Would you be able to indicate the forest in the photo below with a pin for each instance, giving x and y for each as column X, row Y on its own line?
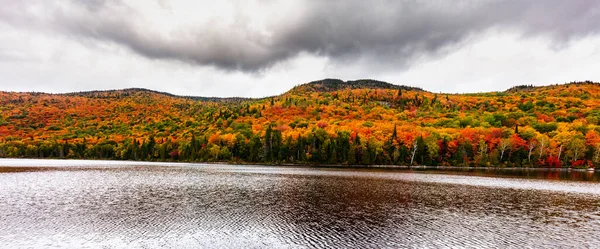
column 364, row 122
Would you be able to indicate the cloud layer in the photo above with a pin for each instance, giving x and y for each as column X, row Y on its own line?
column 263, row 47
column 390, row 31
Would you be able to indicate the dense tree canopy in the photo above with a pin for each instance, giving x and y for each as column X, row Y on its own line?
column 325, row 122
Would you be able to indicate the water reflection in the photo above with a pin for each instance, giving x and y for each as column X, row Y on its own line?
column 230, row 206
column 549, row 174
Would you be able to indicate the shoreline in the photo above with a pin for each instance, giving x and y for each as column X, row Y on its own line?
column 405, row 167
column 337, row 166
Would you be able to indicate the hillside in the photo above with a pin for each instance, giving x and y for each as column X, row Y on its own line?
column 124, row 93
column 330, row 85
column 328, row 121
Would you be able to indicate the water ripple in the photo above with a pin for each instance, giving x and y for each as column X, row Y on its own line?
column 191, row 206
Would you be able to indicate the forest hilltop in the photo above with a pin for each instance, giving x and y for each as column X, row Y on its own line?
column 363, row 122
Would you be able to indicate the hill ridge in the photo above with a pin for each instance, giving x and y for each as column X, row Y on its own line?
column 330, row 85
column 323, row 85
column 518, row 88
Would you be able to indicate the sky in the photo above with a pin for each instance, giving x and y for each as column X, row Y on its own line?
column 257, row 48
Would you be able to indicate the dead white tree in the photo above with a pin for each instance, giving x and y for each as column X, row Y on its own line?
column 414, row 151
column 531, row 145
column 559, row 152
column 483, row 149
column 576, row 151
column 503, row 146
column 543, row 143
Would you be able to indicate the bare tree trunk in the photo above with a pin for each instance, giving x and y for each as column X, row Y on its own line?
column 542, row 147
column 412, row 158
column 504, row 144
column 483, row 150
column 559, row 152
column 531, row 147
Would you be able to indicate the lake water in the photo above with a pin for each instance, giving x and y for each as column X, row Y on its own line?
column 96, row 204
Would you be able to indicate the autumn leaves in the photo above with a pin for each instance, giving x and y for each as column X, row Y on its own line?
column 343, row 124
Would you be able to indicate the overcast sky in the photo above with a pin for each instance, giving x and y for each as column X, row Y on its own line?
column 261, row 48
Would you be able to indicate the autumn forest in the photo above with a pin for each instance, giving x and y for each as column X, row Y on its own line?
column 362, row 122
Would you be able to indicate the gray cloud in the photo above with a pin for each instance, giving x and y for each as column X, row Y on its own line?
column 403, row 29
column 389, row 31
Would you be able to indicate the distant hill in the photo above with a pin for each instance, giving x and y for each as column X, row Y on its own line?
column 330, row 121
column 142, row 91
column 325, row 85
column 330, row 85
column 529, row 88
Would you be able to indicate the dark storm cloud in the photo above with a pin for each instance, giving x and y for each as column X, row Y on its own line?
column 239, row 48
column 403, row 29
column 389, row 31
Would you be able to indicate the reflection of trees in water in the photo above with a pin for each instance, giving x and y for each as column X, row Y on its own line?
column 550, row 174
column 310, row 207
column 325, row 208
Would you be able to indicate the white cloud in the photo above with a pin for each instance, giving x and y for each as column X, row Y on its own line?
column 498, row 60
column 40, row 58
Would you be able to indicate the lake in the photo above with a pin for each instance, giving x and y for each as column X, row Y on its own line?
column 96, row 204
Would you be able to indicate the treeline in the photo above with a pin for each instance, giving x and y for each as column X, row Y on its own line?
column 502, row 148
column 361, row 122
